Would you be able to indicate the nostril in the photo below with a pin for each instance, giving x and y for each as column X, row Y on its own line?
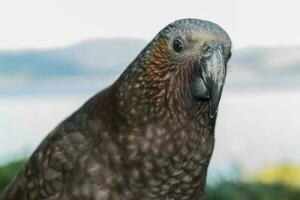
column 206, row 48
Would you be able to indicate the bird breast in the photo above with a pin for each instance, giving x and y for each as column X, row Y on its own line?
column 172, row 161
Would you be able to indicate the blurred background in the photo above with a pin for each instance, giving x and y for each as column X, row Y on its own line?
column 54, row 55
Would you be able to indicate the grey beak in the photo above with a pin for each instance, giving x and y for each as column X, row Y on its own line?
column 213, row 73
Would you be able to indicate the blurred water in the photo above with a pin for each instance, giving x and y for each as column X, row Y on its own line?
column 258, row 128
column 254, row 128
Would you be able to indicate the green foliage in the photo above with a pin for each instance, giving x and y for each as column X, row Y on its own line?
column 7, row 172
column 237, row 190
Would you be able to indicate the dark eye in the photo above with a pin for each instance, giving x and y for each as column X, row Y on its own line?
column 177, row 45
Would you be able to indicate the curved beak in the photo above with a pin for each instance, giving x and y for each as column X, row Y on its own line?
column 213, row 73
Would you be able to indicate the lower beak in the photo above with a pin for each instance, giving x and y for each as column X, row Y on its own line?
column 213, row 73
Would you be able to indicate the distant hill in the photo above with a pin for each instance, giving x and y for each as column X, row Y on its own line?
column 86, row 58
column 103, row 54
column 37, row 64
column 103, row 60
column 277, row 66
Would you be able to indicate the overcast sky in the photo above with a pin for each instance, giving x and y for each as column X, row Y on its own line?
column 51, row 23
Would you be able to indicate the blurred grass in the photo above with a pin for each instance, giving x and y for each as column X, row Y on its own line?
column 240, row 190
column 8, row 171
column 233, row 189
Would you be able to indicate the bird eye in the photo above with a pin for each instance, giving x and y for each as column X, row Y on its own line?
column 177, row 45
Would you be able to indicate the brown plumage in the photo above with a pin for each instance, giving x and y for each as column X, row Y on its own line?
column 150, row 135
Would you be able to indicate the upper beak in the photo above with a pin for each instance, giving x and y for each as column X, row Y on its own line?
column 213, row 73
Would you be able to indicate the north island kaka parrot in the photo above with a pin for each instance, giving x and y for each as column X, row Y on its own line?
column 150, row 135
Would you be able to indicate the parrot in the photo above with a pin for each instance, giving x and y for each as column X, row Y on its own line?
column 149, row 135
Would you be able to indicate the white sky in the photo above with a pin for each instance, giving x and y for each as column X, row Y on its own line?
column 50, row 23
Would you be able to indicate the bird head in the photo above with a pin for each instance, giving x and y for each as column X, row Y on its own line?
column 184, row 65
